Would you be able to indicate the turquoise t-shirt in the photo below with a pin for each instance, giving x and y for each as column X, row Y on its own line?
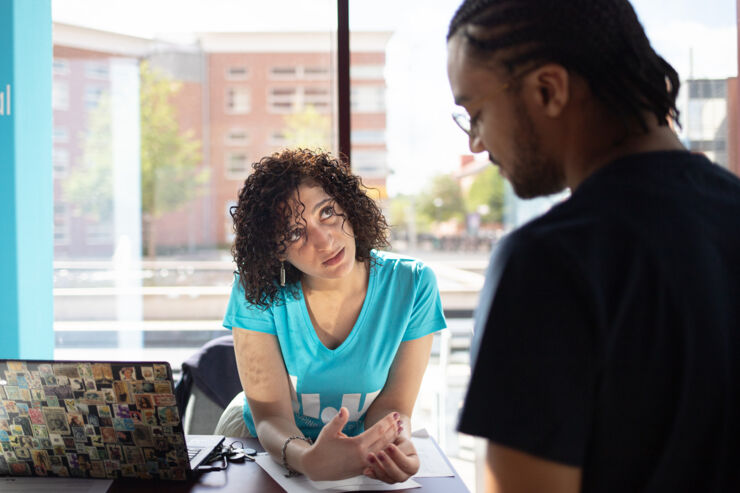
column 402, row 303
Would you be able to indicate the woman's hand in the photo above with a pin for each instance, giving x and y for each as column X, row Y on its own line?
column 394, row 464
column 334, row 455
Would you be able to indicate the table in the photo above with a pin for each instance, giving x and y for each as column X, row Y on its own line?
column 247, row 477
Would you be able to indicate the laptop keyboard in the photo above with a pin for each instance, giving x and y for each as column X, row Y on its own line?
column 192, row 452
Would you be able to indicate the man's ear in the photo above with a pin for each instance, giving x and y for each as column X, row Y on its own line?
column 548, row 88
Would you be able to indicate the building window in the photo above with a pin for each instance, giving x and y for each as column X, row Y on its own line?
column 96, row 69
column 278, row 139
column 237, row 100
column 61, row 66
column 60, row 161
column 316, row 72
column 368, row 136
column 99, row 233
column 370, row 164
column 318, row 97
column 237, row 73
column 282, row 99
column 237, row 137
column 283, row 72
column 93, row 94
column 367, row 72
column 60, row 96
column 61, row 224
column 368, row 99
column 237, row 166
column 61, row 135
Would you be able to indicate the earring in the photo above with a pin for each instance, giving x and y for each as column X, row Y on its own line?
column 282, row 273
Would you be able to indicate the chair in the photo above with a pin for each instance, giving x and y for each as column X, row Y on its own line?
column 209, row 381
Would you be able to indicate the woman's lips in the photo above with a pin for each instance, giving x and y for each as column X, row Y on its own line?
column 335, row 259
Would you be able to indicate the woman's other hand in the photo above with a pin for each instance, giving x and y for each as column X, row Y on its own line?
column 394, row 464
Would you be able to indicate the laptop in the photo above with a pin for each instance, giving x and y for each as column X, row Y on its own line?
column 93, row 419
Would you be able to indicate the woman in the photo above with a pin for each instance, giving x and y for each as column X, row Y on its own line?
column 331, row 336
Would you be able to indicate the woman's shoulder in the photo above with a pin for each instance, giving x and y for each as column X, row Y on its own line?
column 398, row 263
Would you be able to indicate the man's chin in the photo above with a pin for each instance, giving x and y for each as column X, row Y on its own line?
column 530, row 191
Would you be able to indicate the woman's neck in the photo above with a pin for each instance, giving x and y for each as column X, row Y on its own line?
column 354, row 282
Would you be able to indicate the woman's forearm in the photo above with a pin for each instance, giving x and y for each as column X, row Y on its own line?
column 273, row 433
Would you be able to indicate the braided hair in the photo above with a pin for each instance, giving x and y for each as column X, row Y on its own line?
column 601, row 40
column 263, row 218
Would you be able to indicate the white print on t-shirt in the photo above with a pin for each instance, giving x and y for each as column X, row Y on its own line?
column 312, row 404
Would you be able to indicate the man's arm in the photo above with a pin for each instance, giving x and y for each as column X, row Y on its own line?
column 511, row 471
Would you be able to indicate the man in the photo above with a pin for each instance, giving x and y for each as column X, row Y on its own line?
column 607, row 334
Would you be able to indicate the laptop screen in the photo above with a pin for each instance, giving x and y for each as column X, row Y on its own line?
column 90, row 419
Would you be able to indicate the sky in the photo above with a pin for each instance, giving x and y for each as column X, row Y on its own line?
column 698, row 38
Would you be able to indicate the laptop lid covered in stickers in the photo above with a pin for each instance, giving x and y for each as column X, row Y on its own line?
column 90, row 419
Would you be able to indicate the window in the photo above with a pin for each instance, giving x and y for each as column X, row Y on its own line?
column 61, row 224
column 277, row 138
column 60, row 135
column 96, row 69
column 282, row 99
column 369, row 136
column 370, row 164
column 237, row 166
column 316, row 72
column 237, row 100
column 61, row 66
column 237, row 137
column 60, row 96
column 60, row 160
column 283, row 72
column 367, row 72
column 98, row 233
column 318, row 97
column 368, row 99
column 93, row 94
column 237, row 73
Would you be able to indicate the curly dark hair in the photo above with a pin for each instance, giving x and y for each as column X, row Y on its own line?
column 262, row 217
column 602, row 40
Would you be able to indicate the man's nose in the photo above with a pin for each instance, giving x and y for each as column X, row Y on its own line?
column 475, row 143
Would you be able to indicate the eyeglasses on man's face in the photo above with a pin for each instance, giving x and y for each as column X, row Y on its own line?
column 467, row 123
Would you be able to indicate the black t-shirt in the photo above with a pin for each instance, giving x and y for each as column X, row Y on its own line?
column 608, row 331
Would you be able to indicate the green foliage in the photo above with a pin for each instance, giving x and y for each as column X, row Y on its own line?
column 487, row 194
column 307, row 128
column 170, row 176
column 89, row 188
column 442, row 201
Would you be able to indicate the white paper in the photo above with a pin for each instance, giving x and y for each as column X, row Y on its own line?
column 301, row 484
column 56, row 485
column 432, row 463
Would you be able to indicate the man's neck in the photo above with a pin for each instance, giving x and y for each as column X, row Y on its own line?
column 608, row 147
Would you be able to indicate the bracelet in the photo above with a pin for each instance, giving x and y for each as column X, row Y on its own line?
column 292, row 472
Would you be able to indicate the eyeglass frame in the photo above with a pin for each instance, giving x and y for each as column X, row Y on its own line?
column 463, row 118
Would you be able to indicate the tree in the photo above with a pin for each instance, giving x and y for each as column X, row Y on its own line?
column 170, row 175
column 307, row 128
column 487, row 194
column 89, row 188
column 442, row 201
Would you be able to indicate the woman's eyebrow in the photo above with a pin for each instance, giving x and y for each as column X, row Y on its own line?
column 319, row 204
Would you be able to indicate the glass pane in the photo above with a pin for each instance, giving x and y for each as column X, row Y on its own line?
column 449, row 207
column 157, row 120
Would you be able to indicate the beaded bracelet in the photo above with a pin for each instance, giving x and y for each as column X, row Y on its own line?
column 292, row 472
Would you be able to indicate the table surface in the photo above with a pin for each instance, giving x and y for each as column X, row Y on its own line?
column 249, row 477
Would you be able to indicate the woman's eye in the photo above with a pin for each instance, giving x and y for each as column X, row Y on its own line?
column 327, row 212
column 295, row 235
